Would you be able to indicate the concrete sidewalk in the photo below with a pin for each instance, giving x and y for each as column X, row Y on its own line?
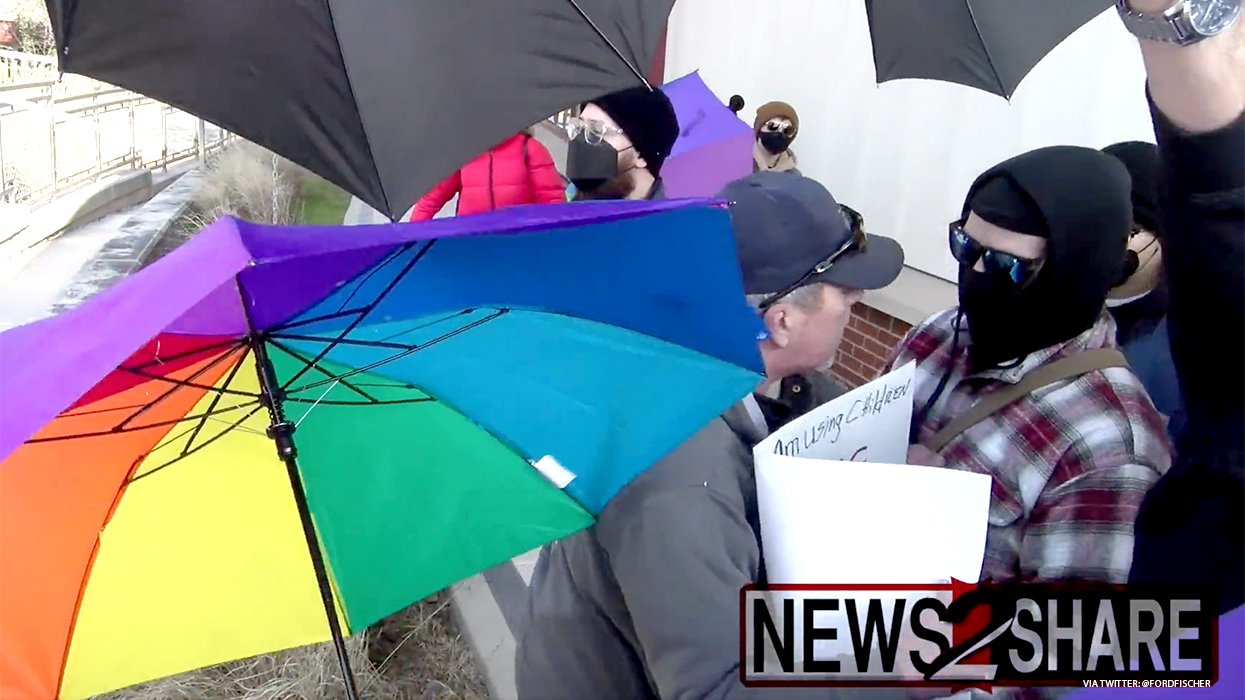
column 75, row 264
column 488, row 608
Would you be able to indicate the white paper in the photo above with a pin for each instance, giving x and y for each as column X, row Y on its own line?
column 868, row 424
column 830, row 522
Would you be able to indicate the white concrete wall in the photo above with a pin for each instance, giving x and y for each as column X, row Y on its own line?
column 904, row 153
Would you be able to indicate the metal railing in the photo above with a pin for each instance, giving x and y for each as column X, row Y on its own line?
column 59, row 134
column 16, row 67
column 560, row 119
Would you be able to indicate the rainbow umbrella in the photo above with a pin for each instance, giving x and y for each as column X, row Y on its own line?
column 279, row 436
column 714, row 145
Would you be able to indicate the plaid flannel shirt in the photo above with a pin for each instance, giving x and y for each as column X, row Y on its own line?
column 1070, row 462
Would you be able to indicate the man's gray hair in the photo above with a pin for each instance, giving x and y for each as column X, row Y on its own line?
column 810, row 297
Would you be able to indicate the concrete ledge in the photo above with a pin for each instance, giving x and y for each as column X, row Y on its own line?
column 129, row 249
column 108, row 196
column 551, row 130
column 488, row 609
column 77, row 208
column 914, row 296
column 358, row 213
column 14, row 218
column 481, row 623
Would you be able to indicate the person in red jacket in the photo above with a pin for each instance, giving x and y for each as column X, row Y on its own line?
column 518, row 170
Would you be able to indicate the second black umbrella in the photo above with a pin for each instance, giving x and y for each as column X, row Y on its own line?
column 382, row 97
column 986, row 44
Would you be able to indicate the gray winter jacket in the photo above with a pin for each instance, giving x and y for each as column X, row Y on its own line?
column 645, row 604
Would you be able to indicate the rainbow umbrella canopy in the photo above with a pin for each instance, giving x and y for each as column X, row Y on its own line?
column 279, row 436
column 714, row 146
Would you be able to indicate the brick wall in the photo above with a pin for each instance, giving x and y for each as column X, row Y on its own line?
column 867, row 343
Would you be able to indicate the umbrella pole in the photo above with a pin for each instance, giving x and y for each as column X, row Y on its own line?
column 282, row 433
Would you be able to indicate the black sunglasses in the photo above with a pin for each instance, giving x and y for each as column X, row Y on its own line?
column 776, row 126
column 967, row 251
column 857, row 241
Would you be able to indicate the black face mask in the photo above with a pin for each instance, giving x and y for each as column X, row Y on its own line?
column 997, row 312
column 775, row 141
column 590, row 165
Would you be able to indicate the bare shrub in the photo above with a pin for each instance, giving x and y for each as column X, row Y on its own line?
column 249, row 182
column 34, row 30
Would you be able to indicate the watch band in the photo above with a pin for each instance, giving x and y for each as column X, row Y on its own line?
column 1172, row 27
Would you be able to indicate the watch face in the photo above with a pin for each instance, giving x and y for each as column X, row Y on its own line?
column 1210, row 17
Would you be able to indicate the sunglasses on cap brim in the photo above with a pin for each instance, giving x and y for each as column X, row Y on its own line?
column 858, row 241
column 967, row 251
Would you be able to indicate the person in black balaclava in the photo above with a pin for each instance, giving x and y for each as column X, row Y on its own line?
column 1040, row 241
column 1138, row 301
column 1058, row 256
column 619, row 143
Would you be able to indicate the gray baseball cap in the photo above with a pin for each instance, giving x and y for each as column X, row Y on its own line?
column 790, row 232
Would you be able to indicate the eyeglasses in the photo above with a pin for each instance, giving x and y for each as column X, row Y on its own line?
column 594, row 132
column 858, row 241
column 967, row 251
column 774, row 125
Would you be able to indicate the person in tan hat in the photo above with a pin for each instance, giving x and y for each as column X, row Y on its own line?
column 776, row 126
column 1138, row 301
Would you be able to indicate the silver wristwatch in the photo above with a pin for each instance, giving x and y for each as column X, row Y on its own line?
column 1187, row 22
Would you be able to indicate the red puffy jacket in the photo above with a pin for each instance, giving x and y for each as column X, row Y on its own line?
column 519, row 170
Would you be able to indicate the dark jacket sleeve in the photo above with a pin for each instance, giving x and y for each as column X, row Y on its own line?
column 680, row 566
column 1189, row 527
column 1202, row 227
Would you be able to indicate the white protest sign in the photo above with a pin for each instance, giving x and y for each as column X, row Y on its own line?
column 838, row 504
column 868, row 424
column 852, row 522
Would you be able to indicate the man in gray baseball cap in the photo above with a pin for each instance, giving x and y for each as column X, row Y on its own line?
column 805, row 260
column 645, row 604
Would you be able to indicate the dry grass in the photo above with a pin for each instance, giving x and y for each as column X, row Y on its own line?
column 249, row 182
column 414, row 655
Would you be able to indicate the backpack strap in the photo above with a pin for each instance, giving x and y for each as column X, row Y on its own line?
column 1068, row 368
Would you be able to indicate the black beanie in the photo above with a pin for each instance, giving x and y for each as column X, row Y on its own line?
column 647, row 118
column 1142, row 161
column 1003, row 203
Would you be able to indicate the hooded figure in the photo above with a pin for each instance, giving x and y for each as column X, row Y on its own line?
column 1075, row 199
column 776, row 126
column 1138, row 301
column 1040, row 243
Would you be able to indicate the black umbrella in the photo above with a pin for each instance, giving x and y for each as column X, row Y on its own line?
column 382, row 97
column 987, row 44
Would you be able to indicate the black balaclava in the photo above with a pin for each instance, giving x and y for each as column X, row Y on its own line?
column 1079, row 200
